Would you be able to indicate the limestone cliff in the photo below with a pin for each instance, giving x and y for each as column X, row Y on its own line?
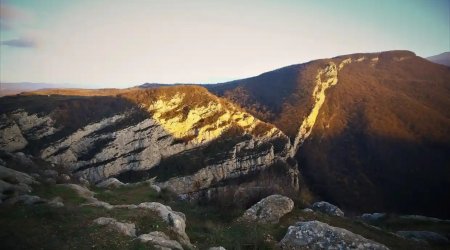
column 157, row 124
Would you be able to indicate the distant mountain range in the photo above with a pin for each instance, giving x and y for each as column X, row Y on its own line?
column 369, row 132
column 443, row 58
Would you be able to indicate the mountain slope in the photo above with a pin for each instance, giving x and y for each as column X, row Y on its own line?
column 443, row 58
column 181, row 135
column 377, row 139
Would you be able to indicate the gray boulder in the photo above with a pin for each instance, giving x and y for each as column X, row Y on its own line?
column 56, row 202
column 25, row 199
column 427, row 236
column 373, row 217
column 176, row 220
column 110, row 183
column 327, row 208
column 50, row 173
column 14, row 177
column 160, row 240
column 128, row 229
column 319, row 235
column 269, row 209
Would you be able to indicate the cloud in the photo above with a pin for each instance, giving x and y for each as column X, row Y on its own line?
column 20, row 43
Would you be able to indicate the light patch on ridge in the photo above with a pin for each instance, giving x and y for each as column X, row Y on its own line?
column 344, row 62
column 192, row 126
column 330, row 73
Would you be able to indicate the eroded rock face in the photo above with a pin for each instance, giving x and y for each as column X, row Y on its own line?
column 244, row 158
column 33, row 126
column 162, row 124
column 11, row 138
column 319, row 235
column 269, row 210
column 128, row 229
column 160, row 240
column 327, row 208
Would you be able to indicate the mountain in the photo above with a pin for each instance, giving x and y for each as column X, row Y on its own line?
column 443, row 58
column 20, row 87
column 190, row 140
column 369, row 132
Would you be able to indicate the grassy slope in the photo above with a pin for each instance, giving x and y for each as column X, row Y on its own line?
column 70, row 227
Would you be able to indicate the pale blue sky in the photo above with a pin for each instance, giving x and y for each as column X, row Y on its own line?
column 108, row 43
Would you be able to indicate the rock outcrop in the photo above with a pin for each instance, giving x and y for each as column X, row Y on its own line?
column 110, row 183
column 14, row 183
column 148, row 127
column 268, row 210
column 128, row 229
column 327, row 208
column 319, row 235
column 373, row 217
column 88, row 195
column 425, row 236
column 176, row 220
column 160, row 240
column 11, row 138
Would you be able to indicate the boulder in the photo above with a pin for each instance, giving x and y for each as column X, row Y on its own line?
column 319, row 235
column 80, row 190
column 160, row 240
column 427, row 236
column 128, row 229
column 12, row 176
column 422, row 218
column 50, row 173
column 327, row 208
column 65, row 178
column 156, row 188
column 49, row 181
column 307, row 210
column 25, row 199
column 87, row 194
column 176, row 220
column 373, row 217
column 56, row 202
column 268, row 210
column 110, row 183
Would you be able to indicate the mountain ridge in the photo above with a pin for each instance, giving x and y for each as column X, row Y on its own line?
column 345, row 126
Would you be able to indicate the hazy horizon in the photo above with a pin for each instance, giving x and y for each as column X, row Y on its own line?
column 118, row 44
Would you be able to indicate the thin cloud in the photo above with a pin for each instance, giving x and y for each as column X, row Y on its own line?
column 20, row 43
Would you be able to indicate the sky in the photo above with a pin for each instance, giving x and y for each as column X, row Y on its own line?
column 109, row 43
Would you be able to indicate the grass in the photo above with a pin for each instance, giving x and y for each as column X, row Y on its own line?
column 134, row 194
column 49, row 192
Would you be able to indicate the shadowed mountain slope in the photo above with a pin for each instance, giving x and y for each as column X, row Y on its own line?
column 381, row 138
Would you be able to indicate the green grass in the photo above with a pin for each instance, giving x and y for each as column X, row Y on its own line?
column 44, row 227
column 134, row 194
column 49, row 192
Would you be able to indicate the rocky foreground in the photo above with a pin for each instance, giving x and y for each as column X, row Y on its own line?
column 39, row 201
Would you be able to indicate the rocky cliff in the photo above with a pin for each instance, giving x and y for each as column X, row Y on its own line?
column 136, row 141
